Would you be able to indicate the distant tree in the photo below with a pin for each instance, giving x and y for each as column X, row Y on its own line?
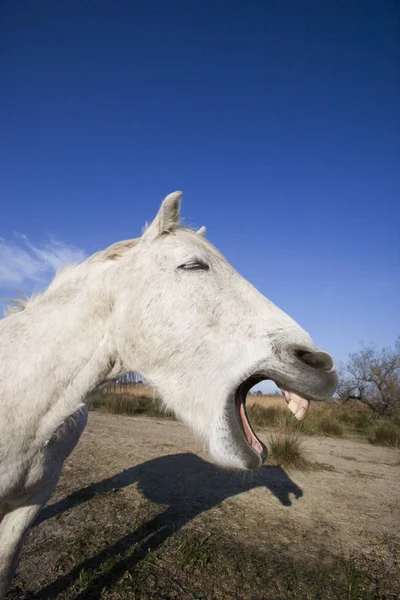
column 373, row 378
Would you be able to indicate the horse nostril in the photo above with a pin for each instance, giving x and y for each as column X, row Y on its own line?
column 317, row 360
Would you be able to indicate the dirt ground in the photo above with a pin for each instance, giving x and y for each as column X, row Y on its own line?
column 139, row 512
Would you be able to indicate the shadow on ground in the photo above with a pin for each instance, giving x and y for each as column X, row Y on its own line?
column 186, row 485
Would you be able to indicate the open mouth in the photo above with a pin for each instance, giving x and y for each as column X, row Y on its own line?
column 297, row 405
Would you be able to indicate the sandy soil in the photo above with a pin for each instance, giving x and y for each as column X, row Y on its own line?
column 131, row 477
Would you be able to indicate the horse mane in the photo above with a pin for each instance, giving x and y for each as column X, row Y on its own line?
column 17, row 305
column 114, row 252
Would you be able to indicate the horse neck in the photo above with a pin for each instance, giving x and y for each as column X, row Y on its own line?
column 58, row 350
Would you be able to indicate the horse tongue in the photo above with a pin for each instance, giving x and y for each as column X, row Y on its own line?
column 296, row 404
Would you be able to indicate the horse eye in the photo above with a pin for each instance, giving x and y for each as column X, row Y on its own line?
column 195, row 265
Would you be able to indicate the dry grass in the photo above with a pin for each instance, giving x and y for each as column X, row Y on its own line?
column 385, row 434
column 321, row 420
column 132, row 400
column 270, row 400
column 330, row 419
column 132, row 389
column 209, row 565
column 270, row 411
column 123, row 404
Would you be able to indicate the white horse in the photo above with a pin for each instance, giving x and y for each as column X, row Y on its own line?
column 168, row 306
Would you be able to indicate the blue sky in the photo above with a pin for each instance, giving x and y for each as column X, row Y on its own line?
column 278, row 119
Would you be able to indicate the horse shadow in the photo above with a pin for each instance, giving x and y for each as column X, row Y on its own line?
column 186, row 484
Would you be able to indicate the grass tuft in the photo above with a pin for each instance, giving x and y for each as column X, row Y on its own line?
column 286, row 451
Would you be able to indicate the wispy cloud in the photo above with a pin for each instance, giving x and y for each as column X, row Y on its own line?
column 22, row 261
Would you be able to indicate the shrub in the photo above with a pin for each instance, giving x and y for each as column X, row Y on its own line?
column 127, row 404
column 396, row 417
column 330, row 426
column 386, row 434
column 363, row 421
column 356, row 418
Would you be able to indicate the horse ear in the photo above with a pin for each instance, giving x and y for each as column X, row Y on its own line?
column 167, row 218
column 202, row 231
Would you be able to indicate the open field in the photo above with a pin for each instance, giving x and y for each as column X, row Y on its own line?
column 139, row 513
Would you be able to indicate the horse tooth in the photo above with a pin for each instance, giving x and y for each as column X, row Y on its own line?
column 299, row 409
column 301, row 413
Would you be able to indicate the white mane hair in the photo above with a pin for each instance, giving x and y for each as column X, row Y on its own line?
column 112, row 253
